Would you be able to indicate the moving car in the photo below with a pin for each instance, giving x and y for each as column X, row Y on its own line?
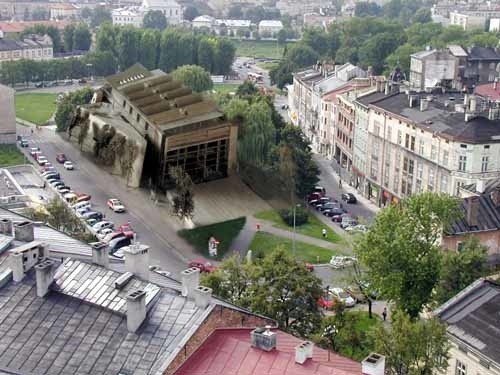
column 349, row 198
column 116, row 205
column 68, row 165
column 61, row 158
column 202, row 265
column 342, row 296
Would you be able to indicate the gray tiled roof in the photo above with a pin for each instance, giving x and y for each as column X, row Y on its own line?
column 472, row 318
column 96, row 285
column 60, row 334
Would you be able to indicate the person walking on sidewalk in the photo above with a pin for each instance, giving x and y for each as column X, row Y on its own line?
column 340, row 184
column 323, row 232
column 384, row 314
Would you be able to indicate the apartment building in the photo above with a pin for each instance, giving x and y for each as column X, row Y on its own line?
column 467, row 21
column 132, row 16
column 427, row 142
column 171, row 9
column 33, row 47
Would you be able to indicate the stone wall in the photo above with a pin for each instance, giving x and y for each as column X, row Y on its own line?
column 8, row 117
column 220, row 317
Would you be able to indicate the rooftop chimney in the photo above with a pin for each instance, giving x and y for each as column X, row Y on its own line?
column 480, row 186
column 495, row 196
column 136, row 310
column 23, row 231
column 17, row 266
column 44, row 277
column 6, row 227
column 303, row 352
column 100, row 254
column 374, row 364
column 190, row 281
column 202, row 296
column 472, row 210
column 424, row 104
column 263, row 338
column 137, row 260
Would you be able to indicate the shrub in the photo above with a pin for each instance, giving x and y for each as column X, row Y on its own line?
column 301, row 216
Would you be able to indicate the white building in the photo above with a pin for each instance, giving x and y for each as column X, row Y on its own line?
column 61, row 11
column 32, row 47
column 204, row 21
column 494, row 25
column 232, row 26
column 170, row 8
column 271, row 27
column 467, row 20
column 128, row 16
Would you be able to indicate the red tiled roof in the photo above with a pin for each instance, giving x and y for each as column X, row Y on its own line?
column 488, row 90
column 19, row 27
column 228, row 352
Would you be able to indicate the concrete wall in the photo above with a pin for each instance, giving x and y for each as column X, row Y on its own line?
column 471, row 360
column 8, row 115
column 491, row 239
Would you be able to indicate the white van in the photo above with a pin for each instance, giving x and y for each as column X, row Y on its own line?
column 78, row 205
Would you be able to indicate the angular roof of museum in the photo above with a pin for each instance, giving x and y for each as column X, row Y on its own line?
column 163, row 101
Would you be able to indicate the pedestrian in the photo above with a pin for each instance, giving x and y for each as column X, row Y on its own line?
column 384, row 314
column 31, row 130
column 340, row 184
column 323, row 232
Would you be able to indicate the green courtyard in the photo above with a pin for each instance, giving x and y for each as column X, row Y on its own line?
column 35, row 108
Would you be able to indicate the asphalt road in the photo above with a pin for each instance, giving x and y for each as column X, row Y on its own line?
column 90, row 179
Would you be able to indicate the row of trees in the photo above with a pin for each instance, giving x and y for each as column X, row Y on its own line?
column 404, row 11
column 166, row 50
column 254, row 14
column 73, row 38
column 376, row 42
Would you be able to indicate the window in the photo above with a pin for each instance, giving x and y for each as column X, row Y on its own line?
column 421, row 147
column 444, row 184
column 484, row 164
column 376, row 128
column 463, row 146
column 400, row 137
column 137, row 118
column 412, row 143
column 433, row 152
column 462, row 163
column 446, row 155
column 407, row 141
column 389, row 133
column 460, row 368
column 430, row 182
column 486, row 147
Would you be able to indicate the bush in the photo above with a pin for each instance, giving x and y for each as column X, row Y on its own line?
column 301, row 216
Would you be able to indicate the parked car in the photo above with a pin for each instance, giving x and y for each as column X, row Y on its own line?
column 321, row 202
column 68, row 165
column 33, row 150
column 41, row 160
column 202, row 265
column 82, row 197
column 110, row 236
column 309, row 267
column 56, row 183
column 104, row 232
column 342, row 296
column 338, row 261
column 81, row 211
column 82, row 81
column 116, row 205
column 313, row 198
column 330, row 206
column 360, row 228
column 78, row 205
column 338, row 216
column 91, row 221
column 348, row 221
column 126, row 229
column 47, row 167
column 118, row 243
column 63, row 190
column 102, row 225
column 61, row 158
column 98, row 216
column 51, row 180
column 320, row 190
column 51, row 174
column 349, row 198
column 23, row 143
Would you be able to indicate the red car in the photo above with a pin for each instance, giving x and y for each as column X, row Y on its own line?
column 203, row 265
column 326, row 303
column 126, row 229
column 61, row 158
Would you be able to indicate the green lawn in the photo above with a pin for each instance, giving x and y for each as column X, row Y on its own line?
column 225, row 232
column 10, row 155
column 35, row 108
column 225, row 88
column 267, row 65
column 362, row 325
column 259, row 49
column 265, row 242
column 312, row 228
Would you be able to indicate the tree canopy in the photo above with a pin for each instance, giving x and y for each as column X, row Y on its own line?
column 194, row 77
column 401, row 250
column 155, row 19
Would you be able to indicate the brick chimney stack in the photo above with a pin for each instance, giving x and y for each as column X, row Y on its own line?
column 472, row 211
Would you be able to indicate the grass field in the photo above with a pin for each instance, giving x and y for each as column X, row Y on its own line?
column 10, row 155
column 362, row 325
column 224, row 232
column 225, row 88
column 259, row 49
column 312, row 228
column 265, row 242
column 267, row 65
column 35, row 108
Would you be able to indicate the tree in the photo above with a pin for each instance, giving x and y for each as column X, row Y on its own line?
column 127, row 46
column 68, row 34
column 282, row 37
column 103, row 63
column 106, row 38
column 423, row 15
column 190, row 12
column 82, row 38
column 194, row 77
column 401, row 57
column 235, row 12
column 224, row 56
column 149, row 49
column 282, row 74
column 413, row 347
column 206, row 54
column 374, row 51
column 247, row 90
column 367, row 8
column 99, row 16
column 460, row 269
column 285, row 290
column 66, row 108
column 155, row 19
column 302, row 55
column 184, row 196
column 40, row 14
column 401, row 250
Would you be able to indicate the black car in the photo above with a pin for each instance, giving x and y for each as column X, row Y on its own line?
column 321, row 202
column 336, row 211
column 349, row 198
column 328, row 207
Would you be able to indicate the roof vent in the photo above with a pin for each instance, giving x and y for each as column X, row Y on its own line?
column 123, row 280
column 374, row 364
column 263, row 338
column 303, row 352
